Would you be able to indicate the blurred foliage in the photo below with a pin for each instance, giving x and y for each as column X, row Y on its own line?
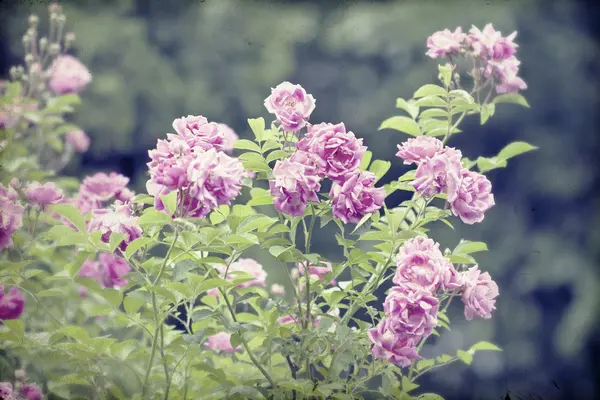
column 154, row 61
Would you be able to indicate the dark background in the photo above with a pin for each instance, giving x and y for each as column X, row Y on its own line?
column 154, row 61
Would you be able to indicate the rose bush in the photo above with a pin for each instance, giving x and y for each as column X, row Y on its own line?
column 91, row 271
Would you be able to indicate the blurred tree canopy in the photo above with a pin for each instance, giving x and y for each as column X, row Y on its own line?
column 153, row 61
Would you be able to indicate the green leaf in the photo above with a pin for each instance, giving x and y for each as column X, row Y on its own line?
column 465, row 357
column 76, row 332
column 430, row 396
column 462, row 259
column 211, row 283
column 261, row 201
column 133, row 302
column 468, row 247
column 246, row 392
column 170, row 201
column 487, row 164
column 72, row 214
column 219, row 215
column 244, row 238
column 143, row 199
column 66, row 236
column 445, row 74
column 408, row 106
column 245, row 144
column 480, row 346
column 430, row 90
column 113, row 296
column 136, row 245
column 366, row 159
column 154, row 217
column 364, row 219
column 514, row 149
column 277, row 155
column 258, row 127
column 487, row 111
column 16, row 326
column 379, row 168
column 276, row 251
column 402, row 124
column 431, row 101
column 513, row 98
column 407, row 385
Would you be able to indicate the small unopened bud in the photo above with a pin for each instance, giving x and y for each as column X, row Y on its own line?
column 54, row 7
column 43, row 43
column 13, row 73
column 54, row 49
column 447, row 252
column 26, row 40
column 20, row 69
column 457, row 77
column 69, row 37
column 20, row 374
column 30, row 32
column 29, row 59
column 61, row 19
column 33, row 20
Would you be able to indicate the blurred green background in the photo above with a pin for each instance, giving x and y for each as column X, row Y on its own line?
column 154, row 61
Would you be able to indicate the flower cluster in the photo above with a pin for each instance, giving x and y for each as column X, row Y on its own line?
column 324, row 151
column 12, row 303
column 69, row 75
column 78, row 140
column 249, row 266
column 494, row 54
column 221, row 342
column 193, row 162
column 99, row 190
column 43, row 194
column 11, row 215
column 23, row 390
column 108, row 271
column 439, row 170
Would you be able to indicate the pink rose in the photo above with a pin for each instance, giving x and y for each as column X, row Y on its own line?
column 249, row 266
column 293, row 186
column 12, row 303
column 196, row 131
column 291, row 105
column 318, row 271
column 445, row 43
column 221, row 342
column 117, row 219
column 474, row 197
column 340, row 151
column 6, row 390
column 399, row 349
column 278, row 289
column 490, row 44
column 11, row 215
column 412, row 312
column 440, row 173
column 69, row 75
column 229, row 137
column 43, row 195
column 479, row 293
column 357, row 197
column 78, row 140
column 98, row 189
column 421, row 264
column 31, row 391
column 414, row 150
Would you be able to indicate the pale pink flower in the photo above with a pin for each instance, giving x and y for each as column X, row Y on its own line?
column 421, row 264
column 474, row 197
column 445, row 43
column 69, row 75
column 249, row 266
column 490, row 44
column 356, row 197
column 108, row 271
column 478, row 294
column 439, row 174
column 12, row 303
column 412, row 312
column 293, row 186
column 397, row 348
column 11, row 215
column 43, row 194
column 291, row 105
column 197, row 131
column 117, row 219
column 99, row 189
column 221, row 342
column 414, row 150
column 31, row 391
column 277, row 289
column 6, row 391
column 229, row 137
column 339, row 151
column 318, row 271
column 78, row 140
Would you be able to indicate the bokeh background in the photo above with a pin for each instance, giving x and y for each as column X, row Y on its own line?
column 154, row 60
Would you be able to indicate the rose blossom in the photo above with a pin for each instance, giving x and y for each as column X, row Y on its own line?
column 277, row 289
column 215, row 178
column 249, row 266
column 169, row 162
column 340, row 151
column 421, row 264
column 357, row 197
column 31, row 391
column 6, row 391
column 44, row 194
column 196, row 131
column 445, row 43
column 413, row 312
column 12, row 303
column 294, row 185
column 505, row 73
column 291, row 105
column 414, row 150
column 69, row 75
column 108, row 271
column 98, row 189
column 117, row 219
column 78, row 140
column 221, row 342
column 440, row 173
column 489, row 43
column 474, row 197
column 318, row 271
column 11, row 215
column 397, row 348
column 479, row 293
